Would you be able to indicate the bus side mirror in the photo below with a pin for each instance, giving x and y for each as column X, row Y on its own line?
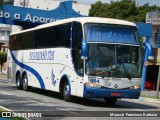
column 150, row 50
column 84, row 54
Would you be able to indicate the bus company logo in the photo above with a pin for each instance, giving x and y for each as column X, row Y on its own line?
column 115, row 86
column 41, row 55
column 53, row 78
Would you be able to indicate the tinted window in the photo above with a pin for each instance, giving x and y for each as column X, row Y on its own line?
column 57, row 36
column 22, row 41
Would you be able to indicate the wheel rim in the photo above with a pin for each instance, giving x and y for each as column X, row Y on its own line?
column 25, row 81
column 66, row 90
column 18, row 82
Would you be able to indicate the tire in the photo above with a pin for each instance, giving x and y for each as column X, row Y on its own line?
column 66, row 92
column 18, row 82
column 110, row 101
column 25, row 83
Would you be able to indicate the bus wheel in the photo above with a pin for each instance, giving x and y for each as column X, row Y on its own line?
column 18, row 82
column 110, row 101
column 25, row 82
column 66, row 92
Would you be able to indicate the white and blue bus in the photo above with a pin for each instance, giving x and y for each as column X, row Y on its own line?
column 86, row 57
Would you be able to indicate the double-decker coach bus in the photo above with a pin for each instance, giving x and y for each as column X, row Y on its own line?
column 86, row 57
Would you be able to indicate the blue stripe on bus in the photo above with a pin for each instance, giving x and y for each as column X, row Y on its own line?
column 30, row 69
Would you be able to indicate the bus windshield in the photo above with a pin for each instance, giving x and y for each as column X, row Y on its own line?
column 111, row 60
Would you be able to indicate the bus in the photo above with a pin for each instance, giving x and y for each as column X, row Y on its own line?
column 87, row 57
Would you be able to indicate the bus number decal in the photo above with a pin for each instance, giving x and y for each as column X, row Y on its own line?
column 94, row 80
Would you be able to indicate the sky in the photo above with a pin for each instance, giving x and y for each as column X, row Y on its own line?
column 139, row 2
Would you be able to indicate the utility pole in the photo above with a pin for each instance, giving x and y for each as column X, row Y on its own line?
column 158, row 83
column 136, row 3
column 24, row 3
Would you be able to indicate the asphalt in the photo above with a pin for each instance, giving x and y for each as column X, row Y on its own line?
column 149, row 96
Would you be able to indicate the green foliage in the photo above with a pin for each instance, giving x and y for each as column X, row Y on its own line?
column 123, row 9
column 3, row 57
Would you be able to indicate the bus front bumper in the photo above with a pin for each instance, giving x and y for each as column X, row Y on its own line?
column 90, row 92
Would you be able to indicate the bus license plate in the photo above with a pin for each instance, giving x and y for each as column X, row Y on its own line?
column 115, row 94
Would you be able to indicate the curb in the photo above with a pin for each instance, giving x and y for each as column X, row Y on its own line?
column 150, row 100
column 3, row 79
column 3, row 76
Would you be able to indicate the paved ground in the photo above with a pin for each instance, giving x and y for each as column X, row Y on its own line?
column 149, row 94
column 38, row 100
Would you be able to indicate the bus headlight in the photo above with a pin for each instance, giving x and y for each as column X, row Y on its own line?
column 88, row 84
column 135, row 87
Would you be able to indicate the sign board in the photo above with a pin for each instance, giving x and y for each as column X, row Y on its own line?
column 29, row 17
column 153, row 18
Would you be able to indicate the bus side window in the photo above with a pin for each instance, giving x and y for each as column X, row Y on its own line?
column 76, row 47
column 41, row 38
column 22, row 41
column 55, row 36
column 63, row 33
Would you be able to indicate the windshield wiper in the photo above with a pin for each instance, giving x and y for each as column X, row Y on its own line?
column 100, row 72
column 126, row 70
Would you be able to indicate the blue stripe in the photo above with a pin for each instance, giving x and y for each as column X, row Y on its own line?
column 30, row 69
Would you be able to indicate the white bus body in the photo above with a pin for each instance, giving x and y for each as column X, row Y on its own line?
column 34, row 61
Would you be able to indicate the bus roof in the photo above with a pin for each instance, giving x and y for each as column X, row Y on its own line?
column 82, row 20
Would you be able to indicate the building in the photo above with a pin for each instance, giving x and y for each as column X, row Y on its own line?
column 4, row 36
column 153, row 68
column 5, row 31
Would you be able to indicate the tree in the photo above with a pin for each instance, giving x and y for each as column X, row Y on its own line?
column 142, row 10
column 123, row 9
